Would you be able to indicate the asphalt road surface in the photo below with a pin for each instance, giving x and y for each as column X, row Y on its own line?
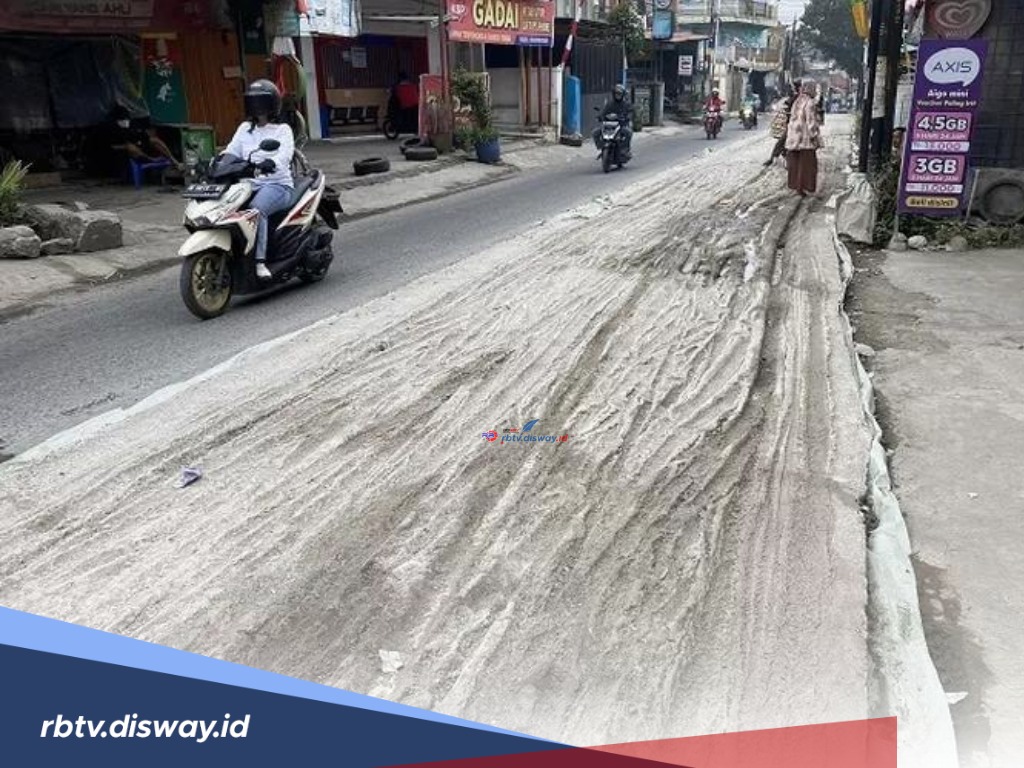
column 87, row 353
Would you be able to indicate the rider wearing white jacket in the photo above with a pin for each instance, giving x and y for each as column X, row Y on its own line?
column 274, row 184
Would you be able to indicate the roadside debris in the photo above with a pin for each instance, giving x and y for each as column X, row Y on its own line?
column 390, row 661
column 188, row 476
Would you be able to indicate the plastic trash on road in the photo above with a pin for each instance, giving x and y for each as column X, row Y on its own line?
column 188, row 476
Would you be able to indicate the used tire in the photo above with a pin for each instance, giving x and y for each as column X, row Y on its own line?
column 408, row 144
column 371, row 165
column 421, row 153
column 572, row 141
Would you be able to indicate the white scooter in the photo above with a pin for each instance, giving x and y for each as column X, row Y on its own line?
column 218, row 254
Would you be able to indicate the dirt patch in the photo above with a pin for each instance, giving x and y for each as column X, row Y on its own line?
column 873, row 303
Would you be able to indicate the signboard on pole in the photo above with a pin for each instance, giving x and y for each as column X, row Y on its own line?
column 947, row 92
column 663, row 25
column 686, row 66
column 502, row 22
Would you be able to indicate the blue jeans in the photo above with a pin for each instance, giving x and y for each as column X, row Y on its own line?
column 268, row 200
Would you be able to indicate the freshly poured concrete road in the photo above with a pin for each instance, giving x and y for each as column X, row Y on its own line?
column 87, row 353
column 691, row 560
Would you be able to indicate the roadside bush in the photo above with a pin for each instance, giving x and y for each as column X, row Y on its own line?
column 978, row 233
column 12, row 178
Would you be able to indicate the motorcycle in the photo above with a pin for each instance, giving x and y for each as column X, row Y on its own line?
column 748, row 117
column 398, row 121
column 712, row 123
column 218, row 253
column 612, row 150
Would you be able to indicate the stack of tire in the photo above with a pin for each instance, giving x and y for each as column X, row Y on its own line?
column 417, row 149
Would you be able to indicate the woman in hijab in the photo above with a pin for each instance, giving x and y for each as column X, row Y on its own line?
column 803, row 140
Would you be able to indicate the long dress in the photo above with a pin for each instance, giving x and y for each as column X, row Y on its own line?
column 803, row 138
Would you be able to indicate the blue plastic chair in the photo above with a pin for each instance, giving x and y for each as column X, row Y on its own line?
column 138, row 169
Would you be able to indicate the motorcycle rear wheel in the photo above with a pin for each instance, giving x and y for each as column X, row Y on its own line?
column 310, row 276
column 390, row 129
column 201, row 289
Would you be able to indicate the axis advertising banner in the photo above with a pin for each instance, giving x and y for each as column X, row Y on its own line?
column 947, row 92
column 502, row 22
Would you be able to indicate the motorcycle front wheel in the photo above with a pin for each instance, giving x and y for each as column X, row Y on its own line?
column 205, row 284
column 606, row 159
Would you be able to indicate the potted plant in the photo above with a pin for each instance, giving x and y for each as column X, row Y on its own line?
column 487, row 145
column 469, row 89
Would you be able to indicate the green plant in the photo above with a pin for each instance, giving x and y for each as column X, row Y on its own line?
column 12, row 178
column 885, row 181
column 469, row 89
column 628, row 26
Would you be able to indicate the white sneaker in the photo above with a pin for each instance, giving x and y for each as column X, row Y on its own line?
column 262, row 272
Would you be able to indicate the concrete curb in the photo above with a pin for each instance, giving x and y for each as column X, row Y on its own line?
column 906, row 683
column 511, row 171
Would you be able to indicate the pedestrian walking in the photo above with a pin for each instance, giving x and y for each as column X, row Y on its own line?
column 779, row 123
column 803, row 140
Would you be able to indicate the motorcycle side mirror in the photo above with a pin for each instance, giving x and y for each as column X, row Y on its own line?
column 270, row 145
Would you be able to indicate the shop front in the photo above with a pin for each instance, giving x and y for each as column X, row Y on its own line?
column 67, row 65
column 516, row 37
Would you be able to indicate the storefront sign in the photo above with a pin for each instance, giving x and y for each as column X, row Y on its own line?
column 162, row 81
column 281, row 18
column 686, row 66
column 102, row 15
column 947, row 92
column 339, row 18
column 502, row 22
column 663, row 25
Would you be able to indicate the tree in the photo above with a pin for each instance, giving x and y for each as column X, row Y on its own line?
column 828, row 28
column 628, row 25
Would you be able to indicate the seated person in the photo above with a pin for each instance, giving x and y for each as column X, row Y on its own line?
column 137, row 143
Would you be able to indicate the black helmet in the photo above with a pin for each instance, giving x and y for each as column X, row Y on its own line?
column 619, row 91
column 262, row 99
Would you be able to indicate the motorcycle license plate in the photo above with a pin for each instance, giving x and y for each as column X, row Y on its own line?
column 204, row 191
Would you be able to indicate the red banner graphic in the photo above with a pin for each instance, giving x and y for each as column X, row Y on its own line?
column 854, row 744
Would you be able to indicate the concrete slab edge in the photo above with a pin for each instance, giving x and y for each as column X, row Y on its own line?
column 906, row 683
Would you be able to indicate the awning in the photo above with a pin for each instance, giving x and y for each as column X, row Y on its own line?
column 682, row 37
column 756, row 66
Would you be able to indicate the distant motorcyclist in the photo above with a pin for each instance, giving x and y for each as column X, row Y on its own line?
column 714, row 102
column 620, row 106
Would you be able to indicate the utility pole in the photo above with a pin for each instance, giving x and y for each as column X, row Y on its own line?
column 868, row 108
column 894, row 52
column 716, row 6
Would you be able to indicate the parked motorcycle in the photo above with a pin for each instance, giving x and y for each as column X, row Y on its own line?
column 748, row 117
column 398, row 121
column 218, row 254
column 613, row 151
column 712, row 123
